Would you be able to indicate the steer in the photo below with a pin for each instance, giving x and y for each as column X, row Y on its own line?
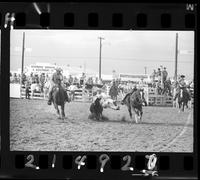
column 107, row 102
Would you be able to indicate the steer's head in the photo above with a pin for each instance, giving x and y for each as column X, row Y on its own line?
column 97, row 101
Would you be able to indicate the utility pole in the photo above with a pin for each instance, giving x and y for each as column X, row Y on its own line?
column 176, row 58
column 22, row 67
column 145, row 70
column 100, row 38
column 84, row 67
column 23, row 50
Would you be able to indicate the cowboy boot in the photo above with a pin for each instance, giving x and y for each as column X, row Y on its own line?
column 50, row 98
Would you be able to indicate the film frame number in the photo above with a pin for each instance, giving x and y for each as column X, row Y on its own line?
column 126, row 166
column 80, row 161
column 30, row 164
column 103, row 159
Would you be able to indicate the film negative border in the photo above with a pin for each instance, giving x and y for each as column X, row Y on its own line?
column 101, row 16
column 111, row 16
column 117, row 165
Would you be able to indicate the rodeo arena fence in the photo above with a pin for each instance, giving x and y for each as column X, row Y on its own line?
column 85, row 95
column 77, row 95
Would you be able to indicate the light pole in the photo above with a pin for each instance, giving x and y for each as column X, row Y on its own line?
column 22, row 68
column 100, row 38
column 145, row 70
column 176, row 58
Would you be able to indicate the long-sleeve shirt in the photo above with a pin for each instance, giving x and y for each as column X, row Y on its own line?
column 57, row 78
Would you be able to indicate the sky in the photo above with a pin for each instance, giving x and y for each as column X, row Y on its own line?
column 125, row 51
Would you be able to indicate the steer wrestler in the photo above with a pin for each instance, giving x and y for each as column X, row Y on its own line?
column 106, row 101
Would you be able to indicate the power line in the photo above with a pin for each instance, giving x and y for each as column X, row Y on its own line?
column 108, row 58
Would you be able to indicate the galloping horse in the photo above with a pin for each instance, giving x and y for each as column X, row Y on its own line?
column 134, row 102
column 59, row 97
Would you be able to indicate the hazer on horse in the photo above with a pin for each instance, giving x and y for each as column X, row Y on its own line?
column 182, row 94
column 134, row 101
column 57, row 93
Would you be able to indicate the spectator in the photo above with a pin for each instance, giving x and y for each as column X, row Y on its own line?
column 46, row 78
column 23, row 78
column 153, row 75
column 27, row 86
column 96, row 80
column 11, row 77
column 141, row 84
column 76, row 81
column 100, row 82
column 158, row 74
column 70, row 79
column 42, row 81
column 167, row 87
column 158, row 87
column 82, row 79
column 15, row 78
column 72, row 89
column 164, row 74
column 32, row 78
column 37, row 78
column 65, row 81
column 113, row 91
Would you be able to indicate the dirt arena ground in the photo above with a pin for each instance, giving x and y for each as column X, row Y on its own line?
column 34, row 126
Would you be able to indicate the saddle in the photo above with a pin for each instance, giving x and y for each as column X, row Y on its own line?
column 65, row 93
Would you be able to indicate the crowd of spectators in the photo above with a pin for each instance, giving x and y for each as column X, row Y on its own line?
column 159, row 80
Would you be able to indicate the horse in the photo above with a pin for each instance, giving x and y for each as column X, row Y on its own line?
column 96, row 109
column 59, row 98
column 134, row 102
column 183, row 97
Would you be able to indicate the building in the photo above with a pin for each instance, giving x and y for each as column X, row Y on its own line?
column 39, row 68
column 134, row 77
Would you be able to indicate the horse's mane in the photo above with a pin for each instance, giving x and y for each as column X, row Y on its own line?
column 129, row 94
column 97, row 100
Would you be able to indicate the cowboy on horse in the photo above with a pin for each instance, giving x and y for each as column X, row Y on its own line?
column 181, row 86
column 56, row 80
column 182, row 93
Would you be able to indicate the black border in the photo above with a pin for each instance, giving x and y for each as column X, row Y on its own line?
column 176, row 160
